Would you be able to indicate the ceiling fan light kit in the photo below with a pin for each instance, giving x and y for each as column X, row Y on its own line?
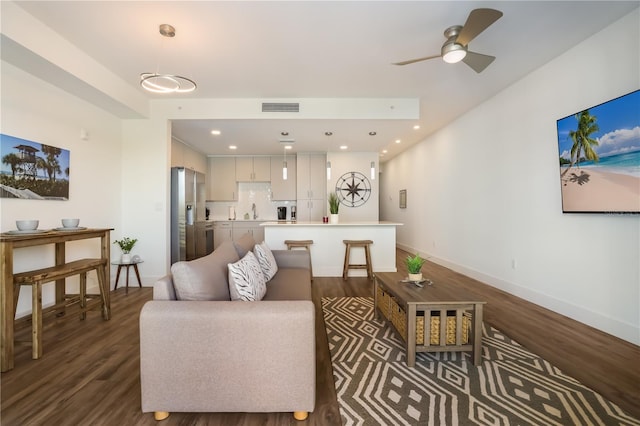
column 166, row 83
column 453, row 53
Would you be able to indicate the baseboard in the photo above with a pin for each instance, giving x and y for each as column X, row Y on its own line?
column 609, row 325
column 147, row 281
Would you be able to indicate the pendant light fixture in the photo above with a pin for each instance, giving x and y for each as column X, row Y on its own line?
column 286, row 144
column 166, row 83
column 373, row 163
column 284, row 164
column 328, row 135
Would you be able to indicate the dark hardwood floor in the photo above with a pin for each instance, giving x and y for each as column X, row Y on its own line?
column 89, row 374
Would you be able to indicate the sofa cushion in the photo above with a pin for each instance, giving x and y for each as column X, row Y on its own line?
column 244, row 244
column 290, row 284
column 205, row 278
column 266, row 260
column 246, row 280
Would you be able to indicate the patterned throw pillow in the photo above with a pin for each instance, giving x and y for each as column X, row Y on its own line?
column 266, row 260
column 246, row 280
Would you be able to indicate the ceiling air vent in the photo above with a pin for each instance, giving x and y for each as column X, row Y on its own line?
column 280, row 107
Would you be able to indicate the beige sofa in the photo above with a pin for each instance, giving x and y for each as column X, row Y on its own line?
column 218, row 355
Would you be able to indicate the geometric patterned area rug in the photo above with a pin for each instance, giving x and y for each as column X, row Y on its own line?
column 512, row 386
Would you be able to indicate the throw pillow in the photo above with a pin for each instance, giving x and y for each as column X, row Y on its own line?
column 246, row 281
column 205, row 278
column 244, row 244
column 266, row 260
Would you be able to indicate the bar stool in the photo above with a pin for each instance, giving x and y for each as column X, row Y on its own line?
column 367, row 254
column 291, row 244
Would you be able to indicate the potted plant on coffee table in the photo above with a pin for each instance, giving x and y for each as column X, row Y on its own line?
column 334, row 205
column 414, row 267
column 126, row 244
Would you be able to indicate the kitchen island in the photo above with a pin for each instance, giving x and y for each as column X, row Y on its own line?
column 327, row 251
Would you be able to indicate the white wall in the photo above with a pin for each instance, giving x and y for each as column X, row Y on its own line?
column 484, row 192
column 344, row 162
column 37, row 111
column 146, row 192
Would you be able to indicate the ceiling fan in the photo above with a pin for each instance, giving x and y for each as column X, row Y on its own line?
column 458, row 37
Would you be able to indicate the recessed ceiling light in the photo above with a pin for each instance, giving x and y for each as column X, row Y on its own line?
column 232, row 147
column 288, row 147
column 215, row 132
column 384, row 151
column 284, row 133
column 416, row 127
column 398, row 141
column 343, row 147
column 328, row 133
column 372, row 133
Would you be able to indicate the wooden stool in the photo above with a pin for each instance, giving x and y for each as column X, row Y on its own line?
column 367, row 254
column 291, row 244
column 36, row 278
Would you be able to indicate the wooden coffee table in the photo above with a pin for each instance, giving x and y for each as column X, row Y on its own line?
column 411, row 308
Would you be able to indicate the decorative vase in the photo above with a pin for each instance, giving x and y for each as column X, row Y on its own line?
column 334, row 218
column 126, row 258
column 415, row 277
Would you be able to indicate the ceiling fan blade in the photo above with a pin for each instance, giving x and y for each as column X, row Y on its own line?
column 478, row 21
column 411, row 61
column 478, row 61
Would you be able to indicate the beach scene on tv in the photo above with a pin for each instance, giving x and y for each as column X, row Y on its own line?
column 600, row 157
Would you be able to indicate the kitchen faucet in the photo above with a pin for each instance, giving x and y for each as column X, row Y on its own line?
column 253, row 208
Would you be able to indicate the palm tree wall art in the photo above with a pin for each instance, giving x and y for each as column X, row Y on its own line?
column 31, row 170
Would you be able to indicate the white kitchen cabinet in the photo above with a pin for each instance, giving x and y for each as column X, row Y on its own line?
column 222, row 179
column 184, row 156
column 222, row 231
column 195, row 161
column 311, row 176
column 310, row 210
column 177, row 153
column 311, row 186
column 253, row 169
column 252, row 227
column 283, row 190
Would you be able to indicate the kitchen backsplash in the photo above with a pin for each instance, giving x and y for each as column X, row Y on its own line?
column 249, row 193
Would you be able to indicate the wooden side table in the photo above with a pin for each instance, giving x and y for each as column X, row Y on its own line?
column 134, row 264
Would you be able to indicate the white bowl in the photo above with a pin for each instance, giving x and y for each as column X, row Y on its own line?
column 70, row 223
column 27, row 225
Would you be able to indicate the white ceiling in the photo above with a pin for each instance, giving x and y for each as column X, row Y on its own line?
column 321, row 49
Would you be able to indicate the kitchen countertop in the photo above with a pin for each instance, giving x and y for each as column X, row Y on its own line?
column 317, row 223
column 240, row 220
column 328, row 248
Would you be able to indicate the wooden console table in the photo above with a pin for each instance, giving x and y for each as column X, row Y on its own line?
column 9, row 242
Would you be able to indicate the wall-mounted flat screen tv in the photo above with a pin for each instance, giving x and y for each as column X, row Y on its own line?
column 599, row 151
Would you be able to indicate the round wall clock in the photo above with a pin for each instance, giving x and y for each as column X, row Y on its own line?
column 353, row 189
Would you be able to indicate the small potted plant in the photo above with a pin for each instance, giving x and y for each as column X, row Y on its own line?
column 414, row 266
column 334, row 205
column 126, row 244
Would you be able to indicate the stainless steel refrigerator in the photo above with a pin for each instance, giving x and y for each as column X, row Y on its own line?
column 190, row 233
